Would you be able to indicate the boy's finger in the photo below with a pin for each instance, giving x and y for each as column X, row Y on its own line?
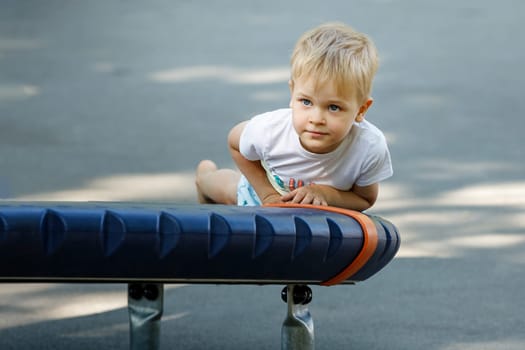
column 308, row 199
column 298, row 197
column 287, row 196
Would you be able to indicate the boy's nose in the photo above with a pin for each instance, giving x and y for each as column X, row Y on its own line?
column 317, row 117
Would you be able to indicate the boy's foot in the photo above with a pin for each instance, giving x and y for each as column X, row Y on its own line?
column 204, row 167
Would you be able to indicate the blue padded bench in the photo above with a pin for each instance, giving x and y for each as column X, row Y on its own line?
column 149, row 245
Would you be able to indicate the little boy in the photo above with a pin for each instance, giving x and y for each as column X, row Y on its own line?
column 319, row 151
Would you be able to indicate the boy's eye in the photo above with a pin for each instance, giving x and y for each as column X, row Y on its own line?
column 306, row 102
column 333, row 108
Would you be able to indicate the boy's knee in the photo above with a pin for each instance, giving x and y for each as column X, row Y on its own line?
column 232, row 198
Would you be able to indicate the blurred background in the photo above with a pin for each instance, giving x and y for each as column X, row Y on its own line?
column 119, row 100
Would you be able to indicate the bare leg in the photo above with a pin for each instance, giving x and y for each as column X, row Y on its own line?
column 216, row 186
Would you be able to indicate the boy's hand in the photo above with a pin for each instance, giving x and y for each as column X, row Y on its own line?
column 272, row 198
column 310, row 194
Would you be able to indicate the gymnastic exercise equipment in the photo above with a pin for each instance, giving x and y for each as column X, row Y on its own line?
column 149, row 245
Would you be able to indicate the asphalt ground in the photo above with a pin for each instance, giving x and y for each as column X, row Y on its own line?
column 114, row 100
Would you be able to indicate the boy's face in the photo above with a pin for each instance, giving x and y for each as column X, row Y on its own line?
column 321, row 117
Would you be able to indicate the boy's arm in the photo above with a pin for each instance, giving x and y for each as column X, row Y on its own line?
column 357, row 198
column 252, row 170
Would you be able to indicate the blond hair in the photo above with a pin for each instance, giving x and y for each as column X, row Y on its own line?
column 336, row 52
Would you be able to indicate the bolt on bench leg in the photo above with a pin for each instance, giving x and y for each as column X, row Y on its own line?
column 145, row 305
column 297, row 332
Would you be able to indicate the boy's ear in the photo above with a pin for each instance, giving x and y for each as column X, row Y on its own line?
column 362, row 110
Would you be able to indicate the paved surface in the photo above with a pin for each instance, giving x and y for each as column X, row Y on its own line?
column 116, row 100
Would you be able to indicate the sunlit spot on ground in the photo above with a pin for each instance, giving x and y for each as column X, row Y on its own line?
column 450, row 223
column 54, row 306
column 167, row 186
column 18, row 92
column 498, row 194
column 224, row 73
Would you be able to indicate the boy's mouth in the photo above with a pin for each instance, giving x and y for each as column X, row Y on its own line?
column 316, row 133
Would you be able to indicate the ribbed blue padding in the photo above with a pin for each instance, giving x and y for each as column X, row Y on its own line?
column 210, row 243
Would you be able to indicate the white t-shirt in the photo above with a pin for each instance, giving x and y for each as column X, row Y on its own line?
column 362, row 158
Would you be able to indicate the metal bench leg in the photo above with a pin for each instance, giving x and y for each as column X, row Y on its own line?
column 145, row 305
column 297, row 332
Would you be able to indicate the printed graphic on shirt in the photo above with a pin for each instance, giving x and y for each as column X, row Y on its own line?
column 285, row 186
column 292, row 184
column 279, row 182
column 281, row 185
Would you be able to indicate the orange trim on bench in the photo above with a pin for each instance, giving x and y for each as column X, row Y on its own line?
column 370, row 238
